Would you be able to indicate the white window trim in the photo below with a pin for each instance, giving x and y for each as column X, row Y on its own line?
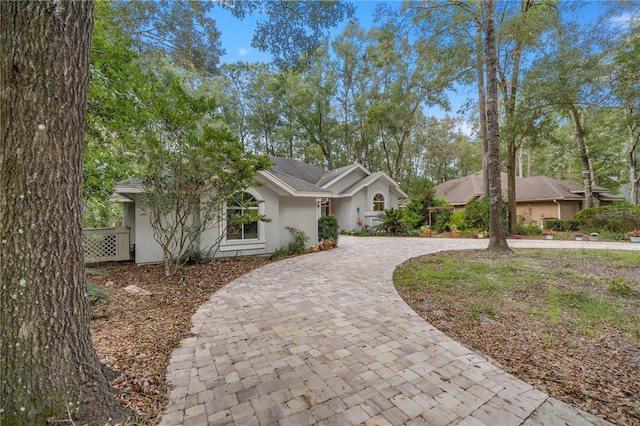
column 252, row 244
column 384, row 206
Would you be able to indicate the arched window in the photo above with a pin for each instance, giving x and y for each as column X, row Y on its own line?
column 242, row 217
column 378, row 203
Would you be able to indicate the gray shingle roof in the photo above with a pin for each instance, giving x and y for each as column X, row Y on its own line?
column 297, row 184
column 297, row 169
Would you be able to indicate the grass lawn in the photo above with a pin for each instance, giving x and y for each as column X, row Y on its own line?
column 566, row 321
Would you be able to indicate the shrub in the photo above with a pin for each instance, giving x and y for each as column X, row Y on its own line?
column 528, row 229
column 563, row 224
column 96, row 294
column 191, row 257
column 476, row 214
column 328, row 228
column 392, row 222
column 299, row 243
column 278, row 253
column 457, row 220
column 610, row 218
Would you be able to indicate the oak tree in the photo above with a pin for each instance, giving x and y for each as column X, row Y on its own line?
column 48, row 366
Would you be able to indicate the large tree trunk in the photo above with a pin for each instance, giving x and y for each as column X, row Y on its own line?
column 634, row 176
column 482, row 109
column 498, row 240
column 584, row 155
column 47, row 361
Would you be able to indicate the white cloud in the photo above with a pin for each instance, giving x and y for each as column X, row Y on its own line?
column 243, row 52
column 622, row 21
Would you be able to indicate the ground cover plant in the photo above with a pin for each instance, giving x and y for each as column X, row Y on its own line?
column 567, row 322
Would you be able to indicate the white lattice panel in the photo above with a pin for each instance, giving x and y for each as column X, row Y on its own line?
column 102, row 245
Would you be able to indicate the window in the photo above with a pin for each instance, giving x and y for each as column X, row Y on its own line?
column 325, row 207
column 378, row 203
column 242, row 214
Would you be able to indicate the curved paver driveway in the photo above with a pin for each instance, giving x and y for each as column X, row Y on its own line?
column 325, row 339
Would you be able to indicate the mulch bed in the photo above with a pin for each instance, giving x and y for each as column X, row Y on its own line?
column 134, row 334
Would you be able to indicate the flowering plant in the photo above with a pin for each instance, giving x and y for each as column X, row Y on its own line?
column 578, row 235
column 360, row 222
column 326, row 244
column 633, row 233
column 548, row 232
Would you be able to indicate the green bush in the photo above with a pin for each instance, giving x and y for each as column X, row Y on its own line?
column 443, row 222
column 192, row 257
column 278, row 253
column 96, row 294
column 610, row 218
column 392, row 222
column 457, row 219
column 328, row 227
column 299, row 243
column 563, row 225
column 528, row 229
column 476, row 214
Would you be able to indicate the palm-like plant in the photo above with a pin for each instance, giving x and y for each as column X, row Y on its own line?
column 392, row 222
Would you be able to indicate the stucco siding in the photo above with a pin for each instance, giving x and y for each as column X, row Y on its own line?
column 298, row 213
column 342, row 209
column 569, row 208
column 537, row 212
column 147, row 249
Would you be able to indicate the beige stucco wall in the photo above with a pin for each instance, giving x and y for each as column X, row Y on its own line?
column 537, row 211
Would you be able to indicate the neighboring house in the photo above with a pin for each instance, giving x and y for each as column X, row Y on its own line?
column 295, row 194
column 537, row 197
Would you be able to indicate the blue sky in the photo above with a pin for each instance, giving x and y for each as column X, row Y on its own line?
column 236, row 34
column 236, row 39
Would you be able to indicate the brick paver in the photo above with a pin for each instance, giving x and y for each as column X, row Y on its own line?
column 325, row 339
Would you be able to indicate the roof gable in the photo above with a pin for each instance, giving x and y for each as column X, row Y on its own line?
column 368, row 180
column 332, row 177
column 297, row 177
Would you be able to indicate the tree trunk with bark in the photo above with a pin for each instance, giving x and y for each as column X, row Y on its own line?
column 634, row 176
column 584, row 155
column 498, row 240
column 482, row 110
column 48, row 365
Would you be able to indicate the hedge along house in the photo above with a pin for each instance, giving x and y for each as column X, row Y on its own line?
column 293, row 194
column 538, row 198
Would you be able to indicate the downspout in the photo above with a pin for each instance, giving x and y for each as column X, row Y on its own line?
column 555, row 200
column 318, row 207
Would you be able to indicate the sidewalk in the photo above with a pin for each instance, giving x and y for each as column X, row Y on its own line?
column 325, row 339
